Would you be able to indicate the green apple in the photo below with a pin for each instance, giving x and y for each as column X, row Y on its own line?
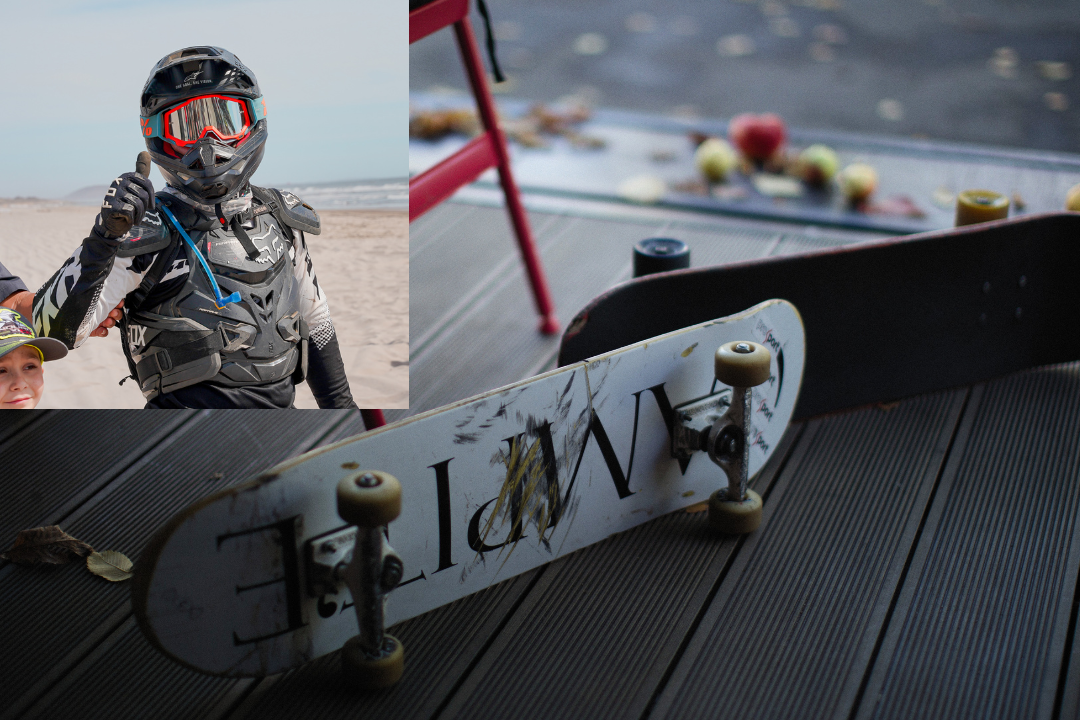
column 715, row 158
column 818, row 164
column 858, row 182
column 1072, row 199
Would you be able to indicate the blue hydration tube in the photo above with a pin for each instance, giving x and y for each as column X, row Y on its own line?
column 219, row 300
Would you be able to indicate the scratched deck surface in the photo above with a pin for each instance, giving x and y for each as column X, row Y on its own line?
column 918, row 560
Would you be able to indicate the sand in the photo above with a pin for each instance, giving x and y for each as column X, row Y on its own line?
column 361, row 260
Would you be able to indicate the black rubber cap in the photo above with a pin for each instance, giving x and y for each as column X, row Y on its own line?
column 659, row 255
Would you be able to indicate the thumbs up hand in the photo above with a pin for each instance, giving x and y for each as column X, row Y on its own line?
column 126, row 201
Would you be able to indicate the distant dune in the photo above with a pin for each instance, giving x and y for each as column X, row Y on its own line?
column 90, row 195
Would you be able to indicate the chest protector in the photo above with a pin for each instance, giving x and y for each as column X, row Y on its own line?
column 188, row 339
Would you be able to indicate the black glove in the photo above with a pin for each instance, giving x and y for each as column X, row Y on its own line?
column 126, row 201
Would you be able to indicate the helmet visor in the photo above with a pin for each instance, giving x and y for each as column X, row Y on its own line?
column 227, row 118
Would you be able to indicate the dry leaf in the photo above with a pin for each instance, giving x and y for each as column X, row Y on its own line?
column 777, row 185
column 899, row 205
column 111, row 565
column 46, row 545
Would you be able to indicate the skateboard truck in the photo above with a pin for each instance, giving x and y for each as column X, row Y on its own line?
column 743, row 365
column 370, row 500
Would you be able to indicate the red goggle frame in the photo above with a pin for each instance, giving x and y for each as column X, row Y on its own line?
column 227, row 118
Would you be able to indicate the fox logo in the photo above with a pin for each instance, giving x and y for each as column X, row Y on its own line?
column 136, row 337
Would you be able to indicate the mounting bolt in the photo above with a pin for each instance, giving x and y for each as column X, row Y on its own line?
column 368, row 480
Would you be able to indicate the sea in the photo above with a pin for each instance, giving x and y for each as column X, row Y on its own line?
column 379, row 194
column 387, row 194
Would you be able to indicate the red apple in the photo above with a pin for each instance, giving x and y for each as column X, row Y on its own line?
column 759, row 137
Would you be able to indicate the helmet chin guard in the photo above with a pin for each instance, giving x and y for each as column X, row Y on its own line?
column 210, row 170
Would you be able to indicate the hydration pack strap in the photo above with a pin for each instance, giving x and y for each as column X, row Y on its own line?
column 238, row 230
column 152, row 277
column 134, row 301
column 168, row 358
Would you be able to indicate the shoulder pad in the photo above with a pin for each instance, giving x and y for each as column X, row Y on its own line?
column 290, row 210
column 150, row 235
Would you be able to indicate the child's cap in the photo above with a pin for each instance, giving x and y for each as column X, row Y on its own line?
column 16, row 332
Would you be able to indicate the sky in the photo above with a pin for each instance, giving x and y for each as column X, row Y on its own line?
column 334, row 74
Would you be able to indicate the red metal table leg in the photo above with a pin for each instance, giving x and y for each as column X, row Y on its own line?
column 372, row 419
column 549, row 325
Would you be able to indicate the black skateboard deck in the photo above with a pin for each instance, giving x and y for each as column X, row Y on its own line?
column 885, row 319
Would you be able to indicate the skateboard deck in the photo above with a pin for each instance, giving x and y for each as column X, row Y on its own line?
column 491, row 487
column 885, row 319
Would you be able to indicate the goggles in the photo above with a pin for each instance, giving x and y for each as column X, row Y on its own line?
column 229, row 119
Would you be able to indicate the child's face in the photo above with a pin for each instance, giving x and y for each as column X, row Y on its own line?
column 21, row 379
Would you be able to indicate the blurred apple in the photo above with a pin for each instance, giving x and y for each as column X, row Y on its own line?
column 758, row 137
column 1072, row 199
column 818, row 165
column 715, row 158
column 858, row 182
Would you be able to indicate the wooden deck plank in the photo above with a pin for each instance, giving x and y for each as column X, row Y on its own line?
column 440, row 649
column 49, row 611
column 78, row 464
column 792, row 628
column 596, row 635
column 981, row 626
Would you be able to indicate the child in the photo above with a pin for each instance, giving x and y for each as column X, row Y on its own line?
column 21, row 355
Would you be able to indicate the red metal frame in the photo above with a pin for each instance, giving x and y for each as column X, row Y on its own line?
column 488, row 150
column 372, row 419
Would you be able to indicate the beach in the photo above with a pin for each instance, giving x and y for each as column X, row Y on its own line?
column 361, row 259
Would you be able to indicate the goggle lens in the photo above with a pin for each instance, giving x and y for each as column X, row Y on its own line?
column 187, row 123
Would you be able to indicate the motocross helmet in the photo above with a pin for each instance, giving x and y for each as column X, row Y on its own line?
column 204, row 122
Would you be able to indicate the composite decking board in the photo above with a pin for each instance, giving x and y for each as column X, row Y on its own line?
column 440, row 646
column 496, row 342
column 490, row 337
column 123, row 678
column 597, row 633
column 794, row 623
column 47, row 611
column 792, row 243
column 435, row 222
column 981, row 625
column 468, row 259
column 77, row 462
column 352, row 426
column 710, row 247
column 11, row 424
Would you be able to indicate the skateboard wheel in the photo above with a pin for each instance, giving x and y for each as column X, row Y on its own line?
column 373, row 672
column 732, row 517
column 742, row 363
column 660, row 255
column 369, row 498
column 976, row 206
